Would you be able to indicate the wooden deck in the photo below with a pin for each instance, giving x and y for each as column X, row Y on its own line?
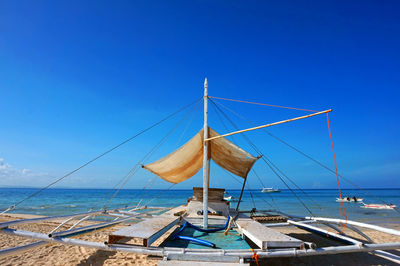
column 148, row 230
column 265, row 237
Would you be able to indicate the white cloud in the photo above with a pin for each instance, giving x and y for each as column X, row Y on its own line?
column 3, row 166
column 13, row 177
column 25, row 171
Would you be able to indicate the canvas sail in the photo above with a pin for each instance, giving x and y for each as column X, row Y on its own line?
column 186, row 161
column 229, row 156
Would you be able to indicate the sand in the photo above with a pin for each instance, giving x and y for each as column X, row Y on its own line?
column 56, row 254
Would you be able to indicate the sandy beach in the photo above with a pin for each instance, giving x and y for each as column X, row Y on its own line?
column 71, row 255
column 63, row 254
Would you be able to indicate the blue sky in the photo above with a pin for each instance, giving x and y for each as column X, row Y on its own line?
column 78, row 77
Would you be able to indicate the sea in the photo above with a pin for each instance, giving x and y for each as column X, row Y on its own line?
column 308, row 202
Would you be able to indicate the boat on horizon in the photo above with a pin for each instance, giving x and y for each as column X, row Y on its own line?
column 349, row 199
column 270, row 190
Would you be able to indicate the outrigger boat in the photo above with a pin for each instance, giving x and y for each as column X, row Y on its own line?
column 185, row 228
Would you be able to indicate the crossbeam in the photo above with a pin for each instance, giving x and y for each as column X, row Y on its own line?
column 245, row 253
column 344, row 238
column 74, row 232
column 369, row 226
column 49, row 218
column 268, row 125
column 325, row 233
column 66, row 233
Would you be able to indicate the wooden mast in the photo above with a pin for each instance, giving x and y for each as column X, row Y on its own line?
column 205, row 158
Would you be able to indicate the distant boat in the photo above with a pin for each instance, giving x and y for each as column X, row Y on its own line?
column 270, row 190
column 379, row 206
column 348, row 199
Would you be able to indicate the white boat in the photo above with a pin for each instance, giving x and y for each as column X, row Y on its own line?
column 348, row 199
column 379, row 206
column 270, row 190
column 154, row 223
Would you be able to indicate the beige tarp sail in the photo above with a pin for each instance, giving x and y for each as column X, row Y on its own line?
column 229, row 156
column 182, row 164
column 186, row 161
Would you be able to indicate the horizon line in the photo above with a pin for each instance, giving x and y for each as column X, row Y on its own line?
column 27, row 187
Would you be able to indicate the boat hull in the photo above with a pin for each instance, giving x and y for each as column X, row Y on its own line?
column 379, row 206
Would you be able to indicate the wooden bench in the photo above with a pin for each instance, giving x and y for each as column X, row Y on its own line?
column 148, row 230
column 265, row 237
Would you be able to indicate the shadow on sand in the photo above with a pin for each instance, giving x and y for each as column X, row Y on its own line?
column 98, row 258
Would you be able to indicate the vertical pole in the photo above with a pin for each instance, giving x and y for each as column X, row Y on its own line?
column 205, row 159
column 208, row 169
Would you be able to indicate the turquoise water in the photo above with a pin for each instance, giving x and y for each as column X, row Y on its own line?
column 68, row 201
column 230, row 241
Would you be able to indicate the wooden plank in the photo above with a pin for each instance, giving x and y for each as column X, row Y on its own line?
column 265, row 237
column 149, row 230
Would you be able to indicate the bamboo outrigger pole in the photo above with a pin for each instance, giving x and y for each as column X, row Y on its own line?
column 267, row 125
column 205, row 158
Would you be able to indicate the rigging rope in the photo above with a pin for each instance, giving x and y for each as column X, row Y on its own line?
column 262, row 157
column 159, row 194
column 252, row 199
column 255, row 256
column 151, row 152
column 269, row 194
column 170, row 133
column 145, row 187
column 245, row 179
column 291, row 181
column 249, row 190
column 291, row 190
column 327, row 168
column 258, row 177
column 188, row 125
column 264, row 104
column 308, row 156
column 101, row 155
column 337, row 176
column 109, row 193
column 158, row 145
